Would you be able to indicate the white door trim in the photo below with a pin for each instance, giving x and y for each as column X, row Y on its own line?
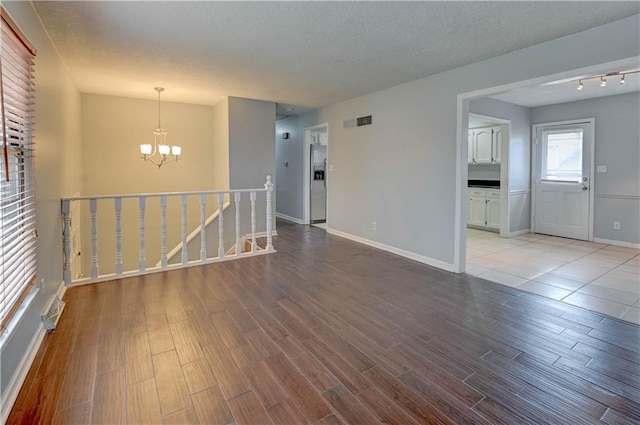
column 306, row 170
column 535, row 171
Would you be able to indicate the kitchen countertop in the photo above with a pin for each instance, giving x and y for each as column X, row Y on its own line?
column 491, row 184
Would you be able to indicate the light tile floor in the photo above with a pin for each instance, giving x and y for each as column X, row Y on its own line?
column 598, row 277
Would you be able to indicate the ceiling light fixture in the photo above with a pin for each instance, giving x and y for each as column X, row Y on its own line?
column 603, row 78
column 160, row 148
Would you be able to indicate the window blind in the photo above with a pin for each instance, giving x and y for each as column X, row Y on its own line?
column 17, row 199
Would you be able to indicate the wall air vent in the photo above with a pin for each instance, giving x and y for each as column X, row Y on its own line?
column 52, row 314
column 358, row 122
column 364, row 120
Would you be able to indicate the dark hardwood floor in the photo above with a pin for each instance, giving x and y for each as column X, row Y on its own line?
column 328, row 331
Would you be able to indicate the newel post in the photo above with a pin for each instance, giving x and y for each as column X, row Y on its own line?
column 66, row 233
column 269, row 187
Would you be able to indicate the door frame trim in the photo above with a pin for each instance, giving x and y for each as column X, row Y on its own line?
column 306, row 170
column 535, row 172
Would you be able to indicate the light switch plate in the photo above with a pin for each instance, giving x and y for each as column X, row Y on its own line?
column 330, row 167
column 601, row 168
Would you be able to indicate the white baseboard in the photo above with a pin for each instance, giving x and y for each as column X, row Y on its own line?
column 519, row 232
column 10, row 394
column 401, row 252
column 617, row 243
column 289, row 218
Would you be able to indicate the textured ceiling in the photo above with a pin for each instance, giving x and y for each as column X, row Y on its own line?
column 299, row 54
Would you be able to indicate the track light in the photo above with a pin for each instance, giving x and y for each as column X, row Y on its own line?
column 604, row 78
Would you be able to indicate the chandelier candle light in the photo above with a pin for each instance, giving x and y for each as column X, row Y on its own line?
column 160, row 147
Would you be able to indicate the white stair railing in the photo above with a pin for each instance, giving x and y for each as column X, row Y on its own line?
column 114, row 265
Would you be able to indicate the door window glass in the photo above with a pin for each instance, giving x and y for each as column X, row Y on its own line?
column 562, row 159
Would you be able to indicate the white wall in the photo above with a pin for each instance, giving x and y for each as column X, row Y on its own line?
column 221, row 145
column 401, row 170
column 252, row 151
column 617, row 145
column 58, row 174
column 519, row 157
column 251, row 142
column 112, row 130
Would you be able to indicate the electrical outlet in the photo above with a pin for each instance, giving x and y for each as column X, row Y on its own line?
column 616, row 225
column 601, row 168
column 374, row 226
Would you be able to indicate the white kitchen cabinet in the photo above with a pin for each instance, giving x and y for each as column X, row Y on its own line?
column 485, row 145
column 477, row 211
column 483, row 207
column 493, row 209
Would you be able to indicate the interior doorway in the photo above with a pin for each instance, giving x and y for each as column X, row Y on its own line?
column 548, row 89
column 562, row 203
column 488, row 173
column 316, row 173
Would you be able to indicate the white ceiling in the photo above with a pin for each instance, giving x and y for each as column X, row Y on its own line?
column 299, row 54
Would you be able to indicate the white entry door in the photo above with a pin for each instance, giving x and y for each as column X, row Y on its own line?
column 562, row 180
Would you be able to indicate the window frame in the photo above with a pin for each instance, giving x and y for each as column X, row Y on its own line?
column 544, row 163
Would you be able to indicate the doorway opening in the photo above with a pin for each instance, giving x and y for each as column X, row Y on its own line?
column 488, row 173
column 316, row 184
column 519, row 147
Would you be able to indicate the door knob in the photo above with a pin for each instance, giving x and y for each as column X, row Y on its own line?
column 585, row 188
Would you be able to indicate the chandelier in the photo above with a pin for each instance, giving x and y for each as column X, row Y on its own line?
column 160, row 152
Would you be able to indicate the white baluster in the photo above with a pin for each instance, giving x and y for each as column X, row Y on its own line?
column 163, row 230
column 142, row 261
column 185, row 251
column 269, row 186
column 220, row 225
column 254, row 244
column 238, row 247
column 66, row 233
column 203, row 231
column 118, row 206
column 93, row 208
